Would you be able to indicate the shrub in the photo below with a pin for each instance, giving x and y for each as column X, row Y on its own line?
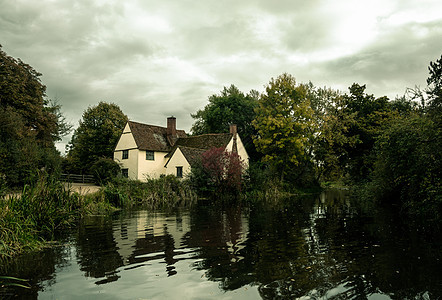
column 219, row 172
column 104, row 169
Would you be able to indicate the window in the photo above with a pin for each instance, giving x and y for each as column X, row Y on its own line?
column 179, row 172
column 150, row 155
column 125, row 154
column 125, row 172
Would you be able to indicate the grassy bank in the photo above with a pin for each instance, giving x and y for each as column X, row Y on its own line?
column 30, row 218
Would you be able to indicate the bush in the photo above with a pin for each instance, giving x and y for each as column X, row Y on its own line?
column 166, row 191
column 219, row 172
column 104, row 169
column 408, row 165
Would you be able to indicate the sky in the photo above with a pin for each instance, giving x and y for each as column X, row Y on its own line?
column 161, row 58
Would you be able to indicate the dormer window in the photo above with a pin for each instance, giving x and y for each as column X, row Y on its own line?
column 150, row 155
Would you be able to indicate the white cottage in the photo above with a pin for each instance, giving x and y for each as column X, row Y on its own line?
column 148, row 151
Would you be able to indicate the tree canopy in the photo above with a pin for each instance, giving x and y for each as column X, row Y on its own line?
column 284, row 119
column 96, row 136
column 30, row 123
column 231, row 106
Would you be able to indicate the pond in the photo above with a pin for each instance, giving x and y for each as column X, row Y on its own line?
column 316, row 247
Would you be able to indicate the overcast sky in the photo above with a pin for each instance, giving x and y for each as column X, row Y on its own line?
column 160, row 58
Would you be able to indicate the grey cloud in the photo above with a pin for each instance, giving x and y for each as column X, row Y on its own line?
column 396, row 60
column 91, row 51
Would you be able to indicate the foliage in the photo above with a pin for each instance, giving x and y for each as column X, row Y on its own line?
column 164, row 192
column 95, row 137
column 219, row 172
column 104, row 169
column 29, row 124
column 231, row 106
column 6, row 281
column 409, row 164
column 284, row 119
column 434, row 82
column 37, row 212
column 369, row 114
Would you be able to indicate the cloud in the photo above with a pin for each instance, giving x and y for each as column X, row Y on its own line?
column 161, row 58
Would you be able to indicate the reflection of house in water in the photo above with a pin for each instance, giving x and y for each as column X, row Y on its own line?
column 148, row 237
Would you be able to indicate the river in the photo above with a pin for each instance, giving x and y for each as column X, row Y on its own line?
column 315, row 247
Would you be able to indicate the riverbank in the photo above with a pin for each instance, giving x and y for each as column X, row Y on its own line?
column 30, row 218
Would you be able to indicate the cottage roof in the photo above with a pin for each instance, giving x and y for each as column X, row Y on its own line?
column 206, row 141
column 202, row 142
column 154, row 138
column 192, row 155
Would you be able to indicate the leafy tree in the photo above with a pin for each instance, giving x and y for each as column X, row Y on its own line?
column 104, row 169
column 231, row 106
column 284, row 119
column 95, row 137
column 30, row 124
column 408, row 164
column 369, row 115
column 333, row 140
column 434, row 82
column 218, row 172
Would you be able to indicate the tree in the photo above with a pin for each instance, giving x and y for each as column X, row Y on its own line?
column 332, row 141
column 434, row 82
column 231, row 106
column 284, row 119
column 95, row 137
column 409, row 164
column 368, row 114
column 30, row 123
column 219, row 172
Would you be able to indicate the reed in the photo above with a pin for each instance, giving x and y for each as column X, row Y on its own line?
column 164, row 192
column 29, row 218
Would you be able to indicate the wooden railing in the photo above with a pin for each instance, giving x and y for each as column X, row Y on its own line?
column 77, row 178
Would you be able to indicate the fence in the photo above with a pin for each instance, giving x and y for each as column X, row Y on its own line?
column 77, row 178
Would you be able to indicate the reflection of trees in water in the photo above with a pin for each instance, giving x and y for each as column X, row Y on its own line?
column 312, row 246
column 96, row 249
column 318, row 248
column 37, row 267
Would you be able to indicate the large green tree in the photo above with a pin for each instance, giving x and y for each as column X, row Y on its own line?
column 284, row 122
column 367, row 115
column 95, row 137
column 29, row 125
column 434, row 82
column 230, row 106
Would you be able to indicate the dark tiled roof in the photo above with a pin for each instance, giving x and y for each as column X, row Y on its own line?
column 206, row 141
column 192, row 155
column 151, row 137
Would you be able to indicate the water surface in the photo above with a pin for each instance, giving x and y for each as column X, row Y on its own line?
column 318, row 247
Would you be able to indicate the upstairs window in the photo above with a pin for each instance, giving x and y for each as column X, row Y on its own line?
column 179, row 172
column 150, row 155
column 125, row 154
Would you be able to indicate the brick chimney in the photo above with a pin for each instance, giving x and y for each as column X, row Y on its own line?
column 171, row 127
column 233, row 131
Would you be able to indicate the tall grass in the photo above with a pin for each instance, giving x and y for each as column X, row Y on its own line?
column 29, row 218
column 164, row 192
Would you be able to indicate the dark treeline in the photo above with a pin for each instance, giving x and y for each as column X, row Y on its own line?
column 299, row 135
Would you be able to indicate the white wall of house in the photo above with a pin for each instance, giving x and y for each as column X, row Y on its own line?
column 241, row 150
column 127, row 142
column 151, row 168
column 178, row 160
column 131, row 163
